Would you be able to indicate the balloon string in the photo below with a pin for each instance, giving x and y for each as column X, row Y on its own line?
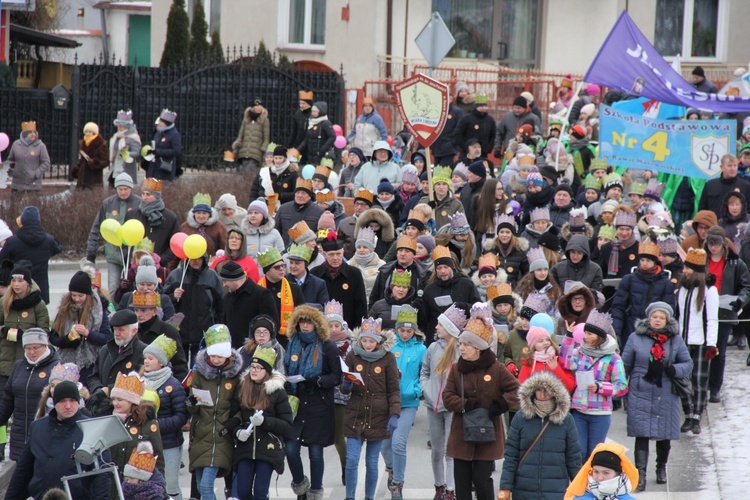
column 184, row 270
column 124, row 269
column 127, row 264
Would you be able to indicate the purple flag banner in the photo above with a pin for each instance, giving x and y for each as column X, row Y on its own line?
column 628, row 62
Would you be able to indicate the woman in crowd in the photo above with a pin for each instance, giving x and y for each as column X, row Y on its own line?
column 263, row 333
column 320, row 135
column 260, row 230
column 491, row 204
column 93, row 158
column 167, row 149
column 510, row 249
column 236, row 251
column 365, row 259
column 203, row 219
column 539, row 281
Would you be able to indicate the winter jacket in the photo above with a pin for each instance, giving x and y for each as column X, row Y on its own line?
column 242, row 306
column 109, row 363
column 469, row 194
column 487, row 384
column 29, row 161
column 479, row 126
column 409, row 356
column 565, row 308
column 84, row 350
column 241, row 257
column 532, row 235
column 370, row 407
column 696, row 326
column 148, row 332
column 111, row 208
column 89, row 171
column 419, row 277
column 208, row 446
column 627, row 259
column 575, row 111
column 440, row 295
column 283, row 184
column 383, row 308
column 40, row 467
column 254, row 136
column 266, row 443
column 33, row 243
column 514, row 263
column 261, row 238
column 299, row 128
column 531, row 368
column 369, row 271
column 653, row 411
column 430, row 381
column 346, row 176
column 147, row 431
column 161, row 234
column 21, row 398
column 172, row 415
column 555, row 459
column 514, row 347
column 585, row 271
column 338, row 211
column 735, row 281
column 634, row 294
column 373, row 171
column 167, row 149
column 314, row 422
column 291, row 213
column 684, row 198
column 393, row 210
column 508, row 125
column 347, row 287
column 445, row 144
column 560, row 215
column 367, row 130
column 319, row 138
column 35, row 314
column 442, row 210
column 127, row 142
column 202, row 301
column 213, row 231
column 386, row 235
column 715, row 191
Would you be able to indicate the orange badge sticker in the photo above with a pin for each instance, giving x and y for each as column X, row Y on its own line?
column 42, row 375
column 443, row 213
column 32, row 153
column 510, row 269
column 286, row 185
column 397, row 354
column 252, row 246
column 153, row 427
column 476, row 127
column 228, row 386
column 278, row 295
column 450, row 116
column 129, row 365
column 487, row 378
column 360, row 368
column 134, row 430
column 114, row 212
column 631, row 257
column 345, row 286
column 295, row 357
column 378, row 370
column 372, row 272
column 163, row 139
column 25, row 314
column 168, row 389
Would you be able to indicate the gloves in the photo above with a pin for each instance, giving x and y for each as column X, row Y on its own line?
column 346, row 386
column 91, row 257
column 257, row 419
column 392, row 424
column 512, row 368
column 243, row 435
column 711, row 353
column 498, row 154
column 499, row 407
column 736, row 305
column 312, row 383
column 191, row 401
column 125, row 284
column 670, row 371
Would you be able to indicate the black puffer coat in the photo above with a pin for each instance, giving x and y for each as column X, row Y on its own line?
column 585, row 271
column 319, row 138
column 457, row 288
column 283, row 185
column 515, row 263
column 634, row 294
column 444, row 145
column 33, row 243
column 172, row 413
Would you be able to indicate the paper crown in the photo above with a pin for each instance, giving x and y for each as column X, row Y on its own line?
column 459, row 224
column 269, row 257
column 537, row 302
column 168, row 115
column 607, row 232
column 145, row 300
column 145, row 245
column 407, row 242
column 526, row 160
column 334, row 308
column 536, row 254
column 142, row 462
column 96, row 281
column 28, row 126
column 298, row 230
column 151, row 184
column 501, row 290
column 456, row 315
column 488, row 260
column 481, row 99
column 612, row 180
column 166, row 345
column 202, row 199
column 566, row 82
column 598, row 164
column 293, row 155
column 623, row 218
column 592, row 182
column 480, row 328
column 441, row 174
column 541, row 213
column 151, row 396
column 506, row 221
column 598, row 322
column 696, row 259
column 401, row 277
column 410, row 176
column 271, row 147
column 407, row 316
column 659, row 221
column 299, row 252
column 128, row 387
column 305, row 184
column 371, row 327
column 648, row 248
column 367, row 235
column 441, row 252
column 325, row 196
column 364, row 195
column 305, row 95
column 327, row 162
column 483, row 311
column 217, row 334
column 577, row 221
column 417, row 215
column 653, row 189
column 266, row 355
column 272, row 200
column 667, row 244
column 124, row 115
column 637, row 188
column 322, row 172
column 66, row 372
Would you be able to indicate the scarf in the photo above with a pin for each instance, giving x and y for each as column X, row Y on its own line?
column 369, row 356
column 333, row 272
column 253, row 116
column 458, row 244
column 386, row 204
column 458, row 185
column 607, row 348
column 404, row 196
column 540, row 285
column 146, row 490
column 340, row 336
column 303, row 348
column 88, row 140
column 613, row 267
column 653, row 271
column 611, row 489
column 363, row 260
column 122, row 416
column 153, row 212
column 287, row 301
column 157, row 378
column 544, row 408
column 85, row 353
column 656, row 357
column 277, row 169
column 27, row 302
column 44, row 356
column 312, row 122
column 504, row 248
column 544, row 356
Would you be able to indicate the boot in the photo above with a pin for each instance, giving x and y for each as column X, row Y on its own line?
column 641, row 463
column 315, row 494
column 733, row 340
column 301, row 489
column 662, row 455
column 449, row 495
column 742, row 342
column 696, row 428
column 688, row 425
column 439, row 492
column 396, row 491
column 389, row 472
column 715, row 397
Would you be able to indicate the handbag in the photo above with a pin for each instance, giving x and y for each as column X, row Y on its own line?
column 166, row 166
column 682, row 386
column 478, row 426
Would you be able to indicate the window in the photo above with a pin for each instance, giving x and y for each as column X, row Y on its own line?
column 302, row 23
column 212, row 10
column 690, row 28
column 470, row 22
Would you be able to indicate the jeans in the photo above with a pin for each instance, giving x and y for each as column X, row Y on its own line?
column 478, row 472
column 253, row 479
column 394, row 448
column 114, row 275
column 592, row 430
column 716, row 370
column 172, row 458
column 353, row 452
column 206, row 476
column 292, row 449
column 340, row 440
column 442, row 465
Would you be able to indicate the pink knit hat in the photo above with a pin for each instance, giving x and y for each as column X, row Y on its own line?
column 535, row 334
column 327, row 221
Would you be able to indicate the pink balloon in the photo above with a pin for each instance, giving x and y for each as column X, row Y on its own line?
column 578, row 333
column 340, row 142
column 338, row 130
column 177, row 244
column 4, row 141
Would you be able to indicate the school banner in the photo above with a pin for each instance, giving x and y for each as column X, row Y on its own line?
column 692, row 148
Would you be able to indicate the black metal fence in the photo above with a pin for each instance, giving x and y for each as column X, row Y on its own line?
column 210, row 99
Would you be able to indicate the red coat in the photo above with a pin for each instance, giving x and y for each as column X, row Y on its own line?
column 565, row 376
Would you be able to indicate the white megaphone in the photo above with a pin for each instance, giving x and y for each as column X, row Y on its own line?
column 99, row 434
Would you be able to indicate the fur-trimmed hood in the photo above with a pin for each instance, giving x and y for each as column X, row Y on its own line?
column 211, row 372
column 387, row 232
column 522, row 244
column 575, row 288
column 500, row 277
column 318, row 320
column 190, row 218
column 264, row 228
column 263, row 115
column 565, row 231
column 517, row 184
column 642, row 327
column 47, row 393
column 553, row 385
column 388, row 342
column 271, row 385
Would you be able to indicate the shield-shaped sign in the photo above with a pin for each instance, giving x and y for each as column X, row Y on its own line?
column 423, row 105
column 706, row 152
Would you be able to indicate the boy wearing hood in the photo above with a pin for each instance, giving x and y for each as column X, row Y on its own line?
column 380, row 167
column 577, row 266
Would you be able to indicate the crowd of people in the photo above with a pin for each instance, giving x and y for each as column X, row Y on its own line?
column 519, row 304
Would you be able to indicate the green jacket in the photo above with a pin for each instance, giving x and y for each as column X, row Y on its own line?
column 35, row 315
column 254, row 136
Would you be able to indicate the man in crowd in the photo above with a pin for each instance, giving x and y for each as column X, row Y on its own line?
column 701, row 83
column 716, row 190
column 243, row 301
column 510, row 123
column 301, row 208
column 477, row 125
column 285, row 293
column 314, row 289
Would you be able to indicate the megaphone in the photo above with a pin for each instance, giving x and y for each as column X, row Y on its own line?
column 99, row 434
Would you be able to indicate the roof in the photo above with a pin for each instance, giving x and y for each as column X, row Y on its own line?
column 35, row 37
column 76, row 32
column 127, row 5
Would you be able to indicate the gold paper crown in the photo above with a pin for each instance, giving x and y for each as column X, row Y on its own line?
column 271, row 147
column 488, row 260
column 165, row 344
column 696, row 257
column 292, row 154
column 322, row 170
column 148, row 299
column 272, row 200
column 441, row 174
column 304, row 184
column 28, row 126
column 492, row 292
column 479, row 328
column 598, row 164
column 648, row 248
column 131, row 383
column 305, row 95
column 417, row 215
column 324, row 196
column 142, row 462
column 327, row 162
column 401, row 277
column 96, row 281
column 406, row 242
column 145, row 245
column 407, row 314
column 504, row 290
column 202, row 199
column 151, row 184
column 441, row 252
column 298, row 230
column 265, row 354
column 526, row 160
column 364, row 194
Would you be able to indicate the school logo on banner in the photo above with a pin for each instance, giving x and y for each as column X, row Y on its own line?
column 706, row 152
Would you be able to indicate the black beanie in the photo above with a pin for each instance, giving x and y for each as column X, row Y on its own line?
column 65, row 390
column 549, row 240
column 698, row 71
column 265, row 321
column 607, row 459
column 81, row 283
column 520, row 101
column 22, row 268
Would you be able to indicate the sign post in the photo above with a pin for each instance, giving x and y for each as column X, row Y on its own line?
column 435, row 41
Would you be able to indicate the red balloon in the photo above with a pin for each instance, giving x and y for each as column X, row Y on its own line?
column 177, row 244
column 390, row 140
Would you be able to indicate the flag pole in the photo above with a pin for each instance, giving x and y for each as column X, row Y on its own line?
column 567, row 116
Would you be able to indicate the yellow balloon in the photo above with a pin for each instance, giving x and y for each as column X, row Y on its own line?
column 195, row 246
column 133, row 232
column 111, row 232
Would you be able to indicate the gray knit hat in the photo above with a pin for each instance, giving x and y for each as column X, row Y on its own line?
column 146, row 274
column 124, row 179
column 660, row 306
column 35, row 336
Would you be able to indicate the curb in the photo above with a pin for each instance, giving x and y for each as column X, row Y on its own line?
column 6, row 472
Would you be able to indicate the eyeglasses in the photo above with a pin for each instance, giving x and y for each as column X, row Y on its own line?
column 278, row 267
column 256, row 368
column 578, row 298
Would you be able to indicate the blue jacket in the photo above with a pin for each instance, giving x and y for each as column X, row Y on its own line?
column 172, row 413
column 167, row 147
column 314, row 289
column 409, row 360
column 633, row 296
column 373, row 119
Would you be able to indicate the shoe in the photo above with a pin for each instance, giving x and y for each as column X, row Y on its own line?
column 687, row 426
column 389, row 472
column 742, row 343
column 396, row 491
column 715, row 397
column 733, row 340
column 429, row 445
column 301, row 489
column 315, row 494
column 696, row 427
column 449, row 495
column 641, row 463
column 616, row 404
column 439, row 492
column 661, row 474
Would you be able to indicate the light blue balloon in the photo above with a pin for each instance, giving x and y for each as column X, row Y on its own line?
column 543, row 320
column 308, row 171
